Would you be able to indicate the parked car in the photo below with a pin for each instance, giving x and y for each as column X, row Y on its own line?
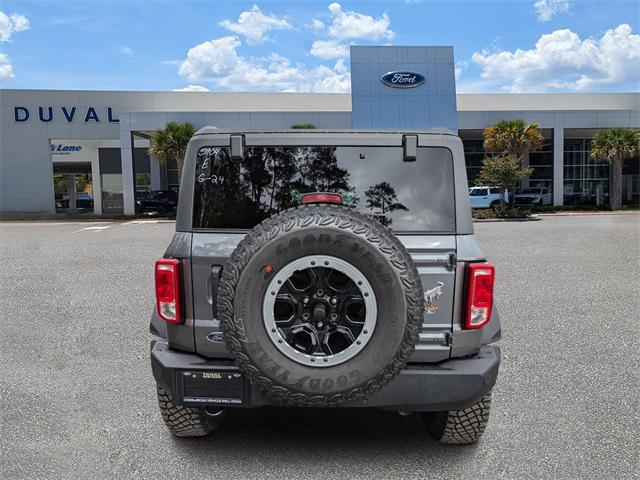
column 353, row 280
column 533, row 196
column 84, row 201
column 158, row 202
column 485, row 197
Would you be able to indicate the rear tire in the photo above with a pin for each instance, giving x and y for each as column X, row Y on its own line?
column 459, row 427
column 187, row 421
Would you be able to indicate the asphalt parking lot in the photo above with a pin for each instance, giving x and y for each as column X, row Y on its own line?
column 77, row 396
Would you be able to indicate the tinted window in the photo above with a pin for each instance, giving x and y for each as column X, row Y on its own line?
column 494, row 191
column 406, row 196
column 478, row 192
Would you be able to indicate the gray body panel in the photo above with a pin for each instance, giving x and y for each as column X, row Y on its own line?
column 440, row 258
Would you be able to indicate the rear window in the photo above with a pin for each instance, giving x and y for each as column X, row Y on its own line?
column 406, row 196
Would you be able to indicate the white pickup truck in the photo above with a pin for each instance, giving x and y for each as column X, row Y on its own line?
column 534, row 196
column 485, row 197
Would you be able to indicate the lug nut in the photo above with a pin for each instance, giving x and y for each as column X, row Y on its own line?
column 319, row 324
column 305, row 300
column 334, row 300
column 320, row 292
column 306, row 316
column 333, row 316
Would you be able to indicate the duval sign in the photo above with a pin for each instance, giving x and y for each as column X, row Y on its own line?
column 402, row 79
column 69, row 114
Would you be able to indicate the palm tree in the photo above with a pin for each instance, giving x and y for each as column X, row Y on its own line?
column 614, row 146
column 513, row 138
column 171, row 143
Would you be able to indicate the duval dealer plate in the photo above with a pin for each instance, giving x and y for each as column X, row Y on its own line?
column 211, row 387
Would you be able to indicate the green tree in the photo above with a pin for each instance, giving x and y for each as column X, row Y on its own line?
column 303, row 126
column 514, row 138
column 615, row 146
column 171, row 143
column 504, row 172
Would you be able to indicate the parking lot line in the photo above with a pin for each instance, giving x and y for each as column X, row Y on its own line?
column 93, row 228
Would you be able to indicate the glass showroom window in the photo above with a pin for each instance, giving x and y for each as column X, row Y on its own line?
column 586, row 181
column 541, row 161
column 473, row 156
column 143, row 182
column 172, row 175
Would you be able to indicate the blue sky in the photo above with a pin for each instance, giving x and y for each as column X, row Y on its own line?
column 506, row 46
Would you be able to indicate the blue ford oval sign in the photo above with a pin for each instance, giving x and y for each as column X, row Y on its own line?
column 402, row 79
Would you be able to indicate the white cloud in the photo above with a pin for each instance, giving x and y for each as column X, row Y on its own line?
column 10, row 24
column 213, row 58
column 331, row 80
column 128, row 51
column 254, row 25
column 192, row 88
column 348, row 25
column 327, row 49
column 562, row 60
column 547, row 9
column 317, row 25
column 217, row 61
column 6, row 70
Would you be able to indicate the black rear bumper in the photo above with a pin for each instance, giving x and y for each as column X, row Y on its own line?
column 450, row 385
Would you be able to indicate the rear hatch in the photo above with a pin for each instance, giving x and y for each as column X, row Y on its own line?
column 413, row 195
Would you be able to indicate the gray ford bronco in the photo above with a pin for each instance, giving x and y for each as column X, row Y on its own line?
column 325, row 269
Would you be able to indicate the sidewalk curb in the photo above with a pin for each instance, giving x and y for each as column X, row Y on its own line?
column 577, row 214
column 495, row 220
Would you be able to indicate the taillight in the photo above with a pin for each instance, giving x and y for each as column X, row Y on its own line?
column 480, row 279
column 321, row 197
column 168, row 290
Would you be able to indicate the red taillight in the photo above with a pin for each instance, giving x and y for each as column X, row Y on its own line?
column 168, row 290
column 322, row 197
column 480, row 279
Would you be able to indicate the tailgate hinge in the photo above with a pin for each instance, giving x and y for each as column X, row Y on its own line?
column 452, row 261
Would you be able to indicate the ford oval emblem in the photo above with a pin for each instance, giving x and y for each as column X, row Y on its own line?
column 401, row 79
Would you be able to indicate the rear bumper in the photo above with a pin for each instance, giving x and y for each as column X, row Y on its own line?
column 448, row 385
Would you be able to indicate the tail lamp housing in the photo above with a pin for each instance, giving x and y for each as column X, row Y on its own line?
column 168, row 302
column 321, row 197
column 479, row 294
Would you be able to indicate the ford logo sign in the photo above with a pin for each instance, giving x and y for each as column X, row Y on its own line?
column 403, row 79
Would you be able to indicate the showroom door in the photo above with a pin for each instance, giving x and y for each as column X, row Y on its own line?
column 73, row 187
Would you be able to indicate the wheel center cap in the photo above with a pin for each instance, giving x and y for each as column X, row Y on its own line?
column 319, row 311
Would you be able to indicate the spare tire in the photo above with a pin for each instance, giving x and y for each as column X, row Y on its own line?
column 320, row 305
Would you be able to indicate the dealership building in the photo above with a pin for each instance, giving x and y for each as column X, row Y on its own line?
column 69, row 151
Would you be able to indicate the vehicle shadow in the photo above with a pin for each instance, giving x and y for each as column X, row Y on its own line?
column 289, row 436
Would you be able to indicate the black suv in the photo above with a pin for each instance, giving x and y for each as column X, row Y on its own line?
column 325, row 269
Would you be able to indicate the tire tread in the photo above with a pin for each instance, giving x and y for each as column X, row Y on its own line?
column 460, row 427
column 184, row 421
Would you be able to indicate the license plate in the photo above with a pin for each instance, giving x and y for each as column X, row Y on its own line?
column 211, row 387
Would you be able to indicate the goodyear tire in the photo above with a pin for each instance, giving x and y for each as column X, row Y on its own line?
column 365, row 356
column 459, row 427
